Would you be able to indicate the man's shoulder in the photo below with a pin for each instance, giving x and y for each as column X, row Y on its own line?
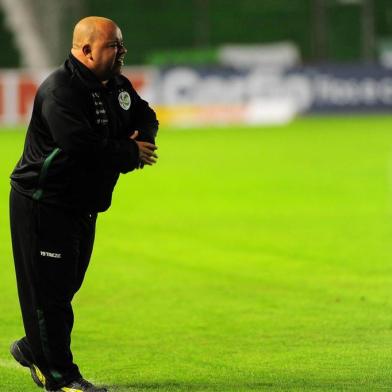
column 61, row 82
column 59, row 77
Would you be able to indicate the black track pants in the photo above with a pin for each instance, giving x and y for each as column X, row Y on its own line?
column 52, row 249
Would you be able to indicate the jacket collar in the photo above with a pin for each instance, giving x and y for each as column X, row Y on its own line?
column 88, row 78
column 83, row 73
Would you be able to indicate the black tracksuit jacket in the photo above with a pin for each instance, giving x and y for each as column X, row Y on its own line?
column 77, row 142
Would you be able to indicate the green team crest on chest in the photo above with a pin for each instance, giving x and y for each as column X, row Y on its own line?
column 124, row 99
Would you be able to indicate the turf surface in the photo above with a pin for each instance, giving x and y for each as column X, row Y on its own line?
column 247, row 259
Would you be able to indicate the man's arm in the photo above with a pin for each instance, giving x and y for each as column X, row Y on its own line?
column 72, row 132
column 145, row 120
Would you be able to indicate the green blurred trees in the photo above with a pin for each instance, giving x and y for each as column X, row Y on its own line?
column 153, row 27
column 9, row 54
column 159, row 25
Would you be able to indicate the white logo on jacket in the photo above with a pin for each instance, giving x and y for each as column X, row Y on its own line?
column 124, row 99
column 50, row 254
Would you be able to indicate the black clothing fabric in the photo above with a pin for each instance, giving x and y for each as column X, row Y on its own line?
column 52, row 249
column 77, row 142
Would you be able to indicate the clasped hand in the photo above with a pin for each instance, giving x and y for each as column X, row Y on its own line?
column 147, row 153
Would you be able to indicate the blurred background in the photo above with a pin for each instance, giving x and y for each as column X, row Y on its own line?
column 215, row 61
column 256, row 255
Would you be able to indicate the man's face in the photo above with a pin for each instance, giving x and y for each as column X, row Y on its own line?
column 108, row 52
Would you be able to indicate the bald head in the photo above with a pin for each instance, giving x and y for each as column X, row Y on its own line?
column 89, row 29
column 98, row 44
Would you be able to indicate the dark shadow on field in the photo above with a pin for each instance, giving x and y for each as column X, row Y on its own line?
column 187, row 386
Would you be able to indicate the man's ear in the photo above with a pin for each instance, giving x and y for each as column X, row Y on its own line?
column 87, row 51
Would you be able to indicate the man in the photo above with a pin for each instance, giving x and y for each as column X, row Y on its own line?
column 88, row 125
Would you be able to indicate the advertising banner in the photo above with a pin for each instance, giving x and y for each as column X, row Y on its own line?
column 187, row 96
column 267, row 95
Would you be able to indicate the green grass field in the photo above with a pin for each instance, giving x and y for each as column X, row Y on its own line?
column 248, row 259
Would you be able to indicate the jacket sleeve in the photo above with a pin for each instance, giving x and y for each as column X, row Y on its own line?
column 73, row 133
column 145, row 120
